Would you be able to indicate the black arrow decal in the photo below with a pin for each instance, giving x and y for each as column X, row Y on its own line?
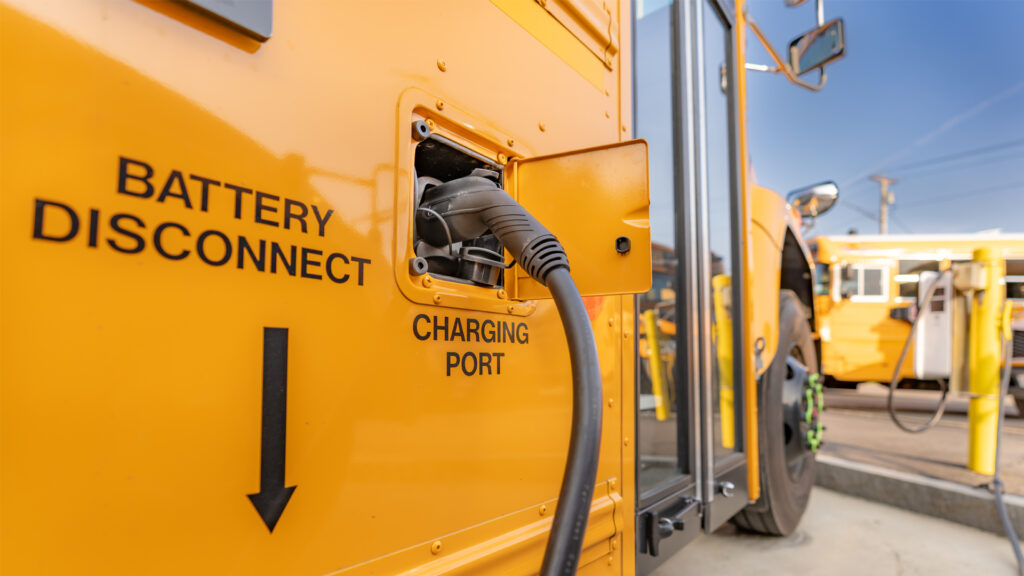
column 273, row 495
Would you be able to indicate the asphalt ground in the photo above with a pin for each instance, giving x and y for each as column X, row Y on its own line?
column 858, row 428
column 842, row 535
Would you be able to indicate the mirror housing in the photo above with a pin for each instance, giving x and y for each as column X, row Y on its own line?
column 817, row 48
column 813, row 201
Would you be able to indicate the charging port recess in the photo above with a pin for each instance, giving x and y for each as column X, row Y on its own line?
column 433, row 148
column 479, row 260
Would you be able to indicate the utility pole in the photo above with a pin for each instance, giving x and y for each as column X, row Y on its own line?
column 885, row 200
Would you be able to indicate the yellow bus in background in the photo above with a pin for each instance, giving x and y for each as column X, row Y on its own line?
column 865, row 285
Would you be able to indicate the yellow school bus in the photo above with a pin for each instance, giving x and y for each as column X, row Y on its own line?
column 864, row 283
column 265, row 308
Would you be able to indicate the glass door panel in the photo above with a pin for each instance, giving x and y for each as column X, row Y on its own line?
column 658, row 417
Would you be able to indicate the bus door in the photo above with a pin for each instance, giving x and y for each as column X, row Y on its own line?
column 724, row 480
column 667, row 418
column 691, row 467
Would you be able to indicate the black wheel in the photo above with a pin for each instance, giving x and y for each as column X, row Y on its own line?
column 787, row 416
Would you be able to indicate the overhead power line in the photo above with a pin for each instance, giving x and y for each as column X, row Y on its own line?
column 968, row 194
column 899, row 222
column 949, row 164
column 959, row 155
column 954, row 165
column 947, row 125
column 858, row 209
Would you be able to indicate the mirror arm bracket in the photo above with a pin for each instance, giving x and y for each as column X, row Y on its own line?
column 782, row 66
column 761, row 68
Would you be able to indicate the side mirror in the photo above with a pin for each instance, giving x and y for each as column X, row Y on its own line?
column 813, row 201
column 817, row 48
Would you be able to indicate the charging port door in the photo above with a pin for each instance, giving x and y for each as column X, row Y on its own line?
column 596, row 202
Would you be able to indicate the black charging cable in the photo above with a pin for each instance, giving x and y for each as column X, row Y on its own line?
column 997, row 483
column 470, row 206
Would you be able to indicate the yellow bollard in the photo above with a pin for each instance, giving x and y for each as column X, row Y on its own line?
column 984, row 359
column 657, row 382
column 721, row 290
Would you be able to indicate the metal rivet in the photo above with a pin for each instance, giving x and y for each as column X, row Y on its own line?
column 543, row 509
column 435, row 548
column 442, row 65
column 625, row 441
column 607, row 114
column 502, row 158
column 437, row 298
column 611, row 485
column 440, row 106
column 625, row 333
column 542, row 127
column 623, row 127
column 431, row 123
column 611, row 560
column 615, row 544
column 607, row 92
column 502, row 294
column 428, row 281
column 611, row 321
column 510, row 142
column 611, row 402
column 511, row 308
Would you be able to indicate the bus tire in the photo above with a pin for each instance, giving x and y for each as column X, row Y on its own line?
column 786, row 475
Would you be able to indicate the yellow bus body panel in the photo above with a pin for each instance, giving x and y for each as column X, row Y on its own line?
column 131, row 378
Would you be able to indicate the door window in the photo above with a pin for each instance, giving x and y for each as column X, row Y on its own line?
column 660, row 456
column 718, row 174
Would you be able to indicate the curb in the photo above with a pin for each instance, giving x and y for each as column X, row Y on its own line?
column 943, row 499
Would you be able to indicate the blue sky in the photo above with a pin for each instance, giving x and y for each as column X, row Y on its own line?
column 921, row 80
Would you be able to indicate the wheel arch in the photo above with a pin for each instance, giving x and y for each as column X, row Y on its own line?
column 781, row 261
column 797, row 273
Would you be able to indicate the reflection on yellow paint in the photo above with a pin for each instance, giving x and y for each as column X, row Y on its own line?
column 721, row 285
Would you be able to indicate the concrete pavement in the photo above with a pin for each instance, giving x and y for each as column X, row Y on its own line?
column 858, row 428
column 842, row 535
